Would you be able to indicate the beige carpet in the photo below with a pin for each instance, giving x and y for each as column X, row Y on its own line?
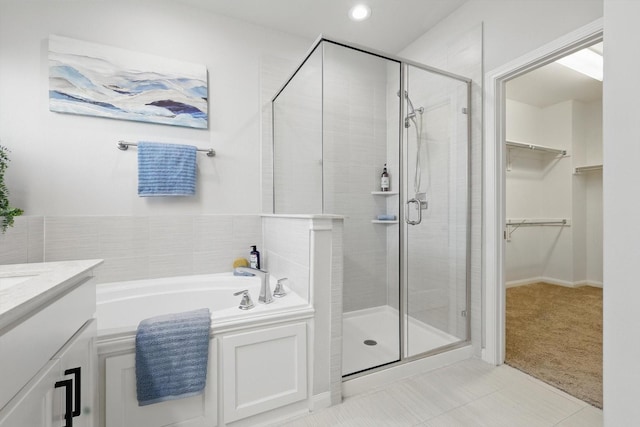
column 554, row 333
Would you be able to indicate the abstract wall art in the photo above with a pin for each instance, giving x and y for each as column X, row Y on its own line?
column 98, row 80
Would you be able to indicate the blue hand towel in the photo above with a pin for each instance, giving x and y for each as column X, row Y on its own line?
column 166, row 169
column 171, row 356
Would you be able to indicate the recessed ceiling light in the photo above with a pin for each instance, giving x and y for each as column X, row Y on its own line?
column 584, row 61
column 359, row 12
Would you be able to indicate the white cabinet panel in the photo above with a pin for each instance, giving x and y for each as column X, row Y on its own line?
column 122, row 410
column 78, row 362
column 43, row 404
column 47, row 331
column 34, row 404
column 264, row 370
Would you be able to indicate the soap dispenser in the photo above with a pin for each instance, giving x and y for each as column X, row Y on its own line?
column 254, row 257
column 384, row 179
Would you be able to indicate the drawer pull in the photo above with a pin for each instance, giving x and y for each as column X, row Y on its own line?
column 68, row 401
column 77, row 390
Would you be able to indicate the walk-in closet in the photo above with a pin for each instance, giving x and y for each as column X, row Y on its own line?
column 553, row 231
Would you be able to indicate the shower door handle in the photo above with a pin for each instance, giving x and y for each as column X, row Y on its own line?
column 407, row 215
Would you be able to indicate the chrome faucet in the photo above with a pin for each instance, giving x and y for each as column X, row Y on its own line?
column 265, row 290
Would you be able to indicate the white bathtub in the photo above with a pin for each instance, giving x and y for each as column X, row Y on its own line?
column 122, row 305
column 267, row 342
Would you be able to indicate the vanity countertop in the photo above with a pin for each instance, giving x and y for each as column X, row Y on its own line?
column 28, row 287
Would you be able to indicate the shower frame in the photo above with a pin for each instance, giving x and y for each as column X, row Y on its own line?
column 403, row 258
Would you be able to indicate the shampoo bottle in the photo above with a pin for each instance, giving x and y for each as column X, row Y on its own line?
column 384, row 179
column 254, row 258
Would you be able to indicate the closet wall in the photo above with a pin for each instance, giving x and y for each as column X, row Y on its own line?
column 543, row 186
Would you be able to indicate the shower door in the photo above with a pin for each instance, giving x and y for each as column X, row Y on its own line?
column 435, row 208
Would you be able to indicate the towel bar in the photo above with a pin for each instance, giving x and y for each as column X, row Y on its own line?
column 124, row 146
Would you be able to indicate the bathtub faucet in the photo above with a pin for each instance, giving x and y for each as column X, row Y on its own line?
column 265, row 290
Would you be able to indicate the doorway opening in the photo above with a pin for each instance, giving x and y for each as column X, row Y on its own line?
column 553, row 232
column 495, row 185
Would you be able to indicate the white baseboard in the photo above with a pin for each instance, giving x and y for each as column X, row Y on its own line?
column 552, row 281
column 320, row 401
column 589, row 283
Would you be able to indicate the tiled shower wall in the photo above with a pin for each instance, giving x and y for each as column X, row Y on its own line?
column 354, row 153
column 347, row 117
column 135, row 247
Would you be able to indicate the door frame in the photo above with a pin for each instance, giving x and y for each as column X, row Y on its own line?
column 494, row 174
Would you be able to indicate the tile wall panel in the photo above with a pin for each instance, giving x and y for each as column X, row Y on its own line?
column 135, row 247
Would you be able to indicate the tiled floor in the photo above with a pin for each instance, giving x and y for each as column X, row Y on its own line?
column 467, row 393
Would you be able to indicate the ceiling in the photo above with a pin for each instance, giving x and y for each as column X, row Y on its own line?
column 554, row 83
column 393, row 24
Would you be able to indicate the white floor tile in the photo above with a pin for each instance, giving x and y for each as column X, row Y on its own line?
column 465, row 394
column 374, row 409
column 586, row 417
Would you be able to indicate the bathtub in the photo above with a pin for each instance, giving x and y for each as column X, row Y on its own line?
column 246, row 346
column 122, row 305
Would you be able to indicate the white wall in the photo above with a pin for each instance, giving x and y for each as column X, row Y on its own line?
column 541, row 186
column 68, row 165
column 511, row 27
column 354, row 153
column 621, row 206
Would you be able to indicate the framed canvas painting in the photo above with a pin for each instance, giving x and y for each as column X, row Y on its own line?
column 97, row 80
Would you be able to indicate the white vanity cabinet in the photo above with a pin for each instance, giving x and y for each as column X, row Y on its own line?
column 62, row 392
column 48, row 356
column 33, row 406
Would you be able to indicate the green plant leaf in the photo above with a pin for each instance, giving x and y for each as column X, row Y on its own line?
column 7, row 213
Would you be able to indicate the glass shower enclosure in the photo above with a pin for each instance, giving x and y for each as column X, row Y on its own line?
column 345, row 114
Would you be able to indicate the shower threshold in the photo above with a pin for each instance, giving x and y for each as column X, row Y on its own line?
column 380, row 324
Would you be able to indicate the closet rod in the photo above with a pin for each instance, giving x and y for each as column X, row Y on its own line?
column 581, row 169
column 124, row 146
column 535, row 147
column 514, row 225
column 527, row 222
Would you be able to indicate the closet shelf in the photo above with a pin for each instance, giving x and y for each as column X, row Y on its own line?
column 590, row 168
column 513, row 224
column 535, row 147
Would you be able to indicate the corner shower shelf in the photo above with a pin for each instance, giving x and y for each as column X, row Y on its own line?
column 384, row 193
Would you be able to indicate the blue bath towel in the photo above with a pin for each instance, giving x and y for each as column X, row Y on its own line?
column 166, row 169
column 171, row 356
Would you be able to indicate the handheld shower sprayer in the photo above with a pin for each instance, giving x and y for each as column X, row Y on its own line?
column 420, row 199
column 412, row 113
